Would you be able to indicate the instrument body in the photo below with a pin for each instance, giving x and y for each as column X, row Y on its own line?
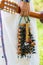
column 13, row 7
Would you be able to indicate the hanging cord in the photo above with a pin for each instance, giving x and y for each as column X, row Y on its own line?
column 27, row 19
column 3, row 47
column 20, row 19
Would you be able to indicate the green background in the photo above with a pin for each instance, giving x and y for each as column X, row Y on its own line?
column 38, row 5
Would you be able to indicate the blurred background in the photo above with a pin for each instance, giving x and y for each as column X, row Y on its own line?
column 38, row 5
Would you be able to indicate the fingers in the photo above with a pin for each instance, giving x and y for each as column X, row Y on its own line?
column 25, row 8
column 24, row 13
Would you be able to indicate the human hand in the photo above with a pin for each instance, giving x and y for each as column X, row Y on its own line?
column 25, row 8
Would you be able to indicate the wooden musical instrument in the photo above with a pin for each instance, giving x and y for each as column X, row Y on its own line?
column 13, row 7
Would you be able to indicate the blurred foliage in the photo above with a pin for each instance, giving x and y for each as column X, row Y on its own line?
column 38, row 4
column 40, row 40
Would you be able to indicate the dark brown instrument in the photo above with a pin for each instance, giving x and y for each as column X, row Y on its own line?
column 13, row 7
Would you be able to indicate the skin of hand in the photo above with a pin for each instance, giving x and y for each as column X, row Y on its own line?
column 25, row 8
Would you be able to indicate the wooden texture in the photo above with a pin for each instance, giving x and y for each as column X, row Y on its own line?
column 27, row 32
column 13, row 7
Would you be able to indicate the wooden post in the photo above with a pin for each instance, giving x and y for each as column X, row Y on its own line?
column 27, row 32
